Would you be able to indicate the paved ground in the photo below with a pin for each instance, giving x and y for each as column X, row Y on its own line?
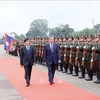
column 8, row 92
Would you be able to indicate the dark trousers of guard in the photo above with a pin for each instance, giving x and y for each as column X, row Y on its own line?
column 89, row 72
column 38, row 59
column 98, row 77
column 41, row 60
column 97, row 68
column 70, row 67
column 76, row 70
column 57, row 67
column 90, row 75
column 28, row 70
column 82, row 72
column 61, row 64
column 65, row 68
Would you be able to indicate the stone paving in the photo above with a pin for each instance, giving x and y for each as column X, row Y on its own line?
column 7, row 91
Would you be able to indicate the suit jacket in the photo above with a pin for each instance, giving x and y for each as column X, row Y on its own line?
column 49, row 57
column 26, row 58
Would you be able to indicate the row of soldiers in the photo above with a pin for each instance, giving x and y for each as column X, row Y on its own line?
column 81, row 54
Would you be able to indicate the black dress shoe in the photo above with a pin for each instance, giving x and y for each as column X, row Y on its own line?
column 28, row 84
column 75, row 75
column 81, row 77
column 51, row 83
column 88, row 79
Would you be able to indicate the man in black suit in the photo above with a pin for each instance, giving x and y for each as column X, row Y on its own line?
column 27, row 59
column 51, row 58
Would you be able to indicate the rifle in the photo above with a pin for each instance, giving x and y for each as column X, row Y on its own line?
column 61, row 50
column 92, row 59
column 84, row 56
column 77, row 54
column 35, row 48
column 42, row 51
column 65, row 52
column 71, row 53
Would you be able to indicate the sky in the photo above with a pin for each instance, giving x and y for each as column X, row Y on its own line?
column 16, row 16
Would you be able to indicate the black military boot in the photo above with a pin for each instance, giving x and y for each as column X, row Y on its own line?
column 82, row 73
column 90, row 75
column 76, row 71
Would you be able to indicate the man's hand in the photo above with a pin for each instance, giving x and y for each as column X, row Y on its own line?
column 45, row 63
column 59, row 61
column 21, row 65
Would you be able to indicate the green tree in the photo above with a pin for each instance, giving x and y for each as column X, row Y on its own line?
column 2, row 40
column 61, row 30
column 97, row 26
column 38, row 27
column 17, row 37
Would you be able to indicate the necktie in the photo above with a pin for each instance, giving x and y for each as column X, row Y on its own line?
column 52, row 47
column 28, row 49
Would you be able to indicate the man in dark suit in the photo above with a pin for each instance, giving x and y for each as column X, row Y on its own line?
column 27, row 59
column 51, row 58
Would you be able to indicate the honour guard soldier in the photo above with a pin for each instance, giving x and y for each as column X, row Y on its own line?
column 97, row 61
column 71, row 59
column 83, row 63
column 87, row 64
column 65, row 54
column 61, row 53
column 78, row 60
column 66, row 57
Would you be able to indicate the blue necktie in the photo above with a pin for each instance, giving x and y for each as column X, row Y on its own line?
column 28, row 49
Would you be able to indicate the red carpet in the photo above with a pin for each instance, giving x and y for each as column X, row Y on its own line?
column 40, row 89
